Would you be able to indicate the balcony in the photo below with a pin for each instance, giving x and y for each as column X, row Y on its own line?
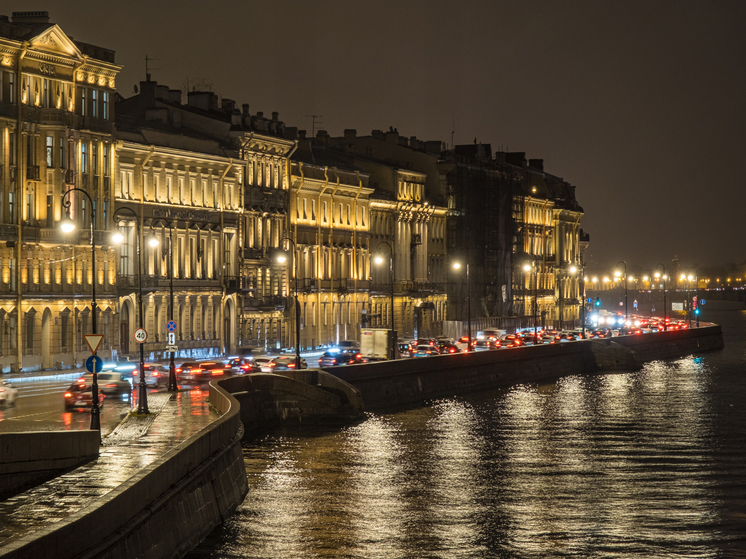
column 253, row 254
column 69, row 177
column 272, row 302
column 33, row 173
column 95, row 124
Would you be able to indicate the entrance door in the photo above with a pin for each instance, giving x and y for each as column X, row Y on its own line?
column 124, row 337
column 46, row 336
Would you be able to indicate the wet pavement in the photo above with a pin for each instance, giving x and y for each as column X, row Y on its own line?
column 134, row 444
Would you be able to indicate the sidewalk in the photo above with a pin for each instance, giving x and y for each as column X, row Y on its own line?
column 135, row 443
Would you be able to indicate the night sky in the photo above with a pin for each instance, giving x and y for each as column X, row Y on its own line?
column 639, row 104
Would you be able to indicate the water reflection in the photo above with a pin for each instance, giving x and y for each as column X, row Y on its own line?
column 644, row 464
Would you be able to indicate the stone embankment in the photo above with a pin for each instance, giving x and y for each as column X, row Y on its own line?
column 407, row 382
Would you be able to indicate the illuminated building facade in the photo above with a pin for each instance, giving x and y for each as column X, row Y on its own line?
column 330, row 220
column 547, row 236
column 406, row 212
column 56, row 133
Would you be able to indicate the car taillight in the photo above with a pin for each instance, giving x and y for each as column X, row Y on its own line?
column 334, row 361
column 291, row 365
column 217, row 372
column 178, row 369
column 451, row 350
column 320, row 360
column 227, row 367
column 68, row 395
column 272, row 364
column 111, row 386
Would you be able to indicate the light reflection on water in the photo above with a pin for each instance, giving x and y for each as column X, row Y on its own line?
column 644, row 464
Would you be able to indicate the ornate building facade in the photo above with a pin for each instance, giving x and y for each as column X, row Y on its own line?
column 56, row 134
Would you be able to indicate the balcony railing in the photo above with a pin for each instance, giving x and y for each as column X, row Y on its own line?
column 33, row 173
column 69, row 177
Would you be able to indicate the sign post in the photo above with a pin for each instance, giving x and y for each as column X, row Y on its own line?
column 94, row 365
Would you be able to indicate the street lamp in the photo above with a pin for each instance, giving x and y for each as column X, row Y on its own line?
column 691, row 303
column 665, row 306
column 68, row 226
column 529, row 268
column 457, row 266
column 617, row 273
column 282, row 259
column 172, row 387
column 379, row 260
column 118, row 238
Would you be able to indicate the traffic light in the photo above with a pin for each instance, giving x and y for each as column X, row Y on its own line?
column 696, row 311
column 598, row 301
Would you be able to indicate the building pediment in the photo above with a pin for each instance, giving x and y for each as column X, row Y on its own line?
column 54, row 41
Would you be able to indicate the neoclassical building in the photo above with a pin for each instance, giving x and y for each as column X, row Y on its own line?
column 56, row 134
column 330, row 219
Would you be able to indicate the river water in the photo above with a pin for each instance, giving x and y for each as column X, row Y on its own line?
column 643, row 464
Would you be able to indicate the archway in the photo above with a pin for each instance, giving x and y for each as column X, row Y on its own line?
column 126, row 318
column 46, row 335
column 227, row 325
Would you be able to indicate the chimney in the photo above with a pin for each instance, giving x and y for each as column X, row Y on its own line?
column 392, row 136
column 260, row 114
column 30, row 17
column 301, row 134
column 161, row 92
column 205, row 100
column 433, row 146
column 350, row 134
column 275, row 115
column 228, row 105
column 536, row 164
column 245, row 108
column 174, row 95
column 147, row 90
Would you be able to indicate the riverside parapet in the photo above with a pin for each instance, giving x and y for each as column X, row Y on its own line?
column 408, row 382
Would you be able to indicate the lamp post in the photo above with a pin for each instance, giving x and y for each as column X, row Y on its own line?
column 457, row 266
column 282, row 259
column 172, row 387
column 379, row 260
column 68, row 225
column 532, row 268
column 665, row 306
column 690, row 303
column 617, row 273
column 574, row 270
column 142, row 394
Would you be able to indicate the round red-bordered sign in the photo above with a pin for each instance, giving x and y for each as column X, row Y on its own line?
column 141, row 335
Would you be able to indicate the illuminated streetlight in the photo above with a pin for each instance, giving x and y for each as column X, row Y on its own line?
column 457, row 266
column 529, row 268
column 282, row 259
column 379, row 260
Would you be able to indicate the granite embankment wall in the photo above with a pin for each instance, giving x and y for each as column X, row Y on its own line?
column 30, row 458
column 164, row 510
column 411, row 381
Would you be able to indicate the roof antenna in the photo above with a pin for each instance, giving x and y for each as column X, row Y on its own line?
column 313, row 123
column 453, row 129
column 147, row 68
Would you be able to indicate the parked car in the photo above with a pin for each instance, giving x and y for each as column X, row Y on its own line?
column 109, row 382
column 205, row 371
column 264, row 363
column 244, row 366
column 335, row 357
column 8, row 393
column 287, row 363
column 80, row 395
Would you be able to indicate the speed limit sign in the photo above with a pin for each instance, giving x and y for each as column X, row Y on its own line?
column 141, row 335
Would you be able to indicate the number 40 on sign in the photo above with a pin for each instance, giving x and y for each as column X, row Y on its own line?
column 141, row 335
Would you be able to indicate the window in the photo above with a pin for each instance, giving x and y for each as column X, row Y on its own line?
column 27, row 90
column 181, row 190
column 63, row 142
column 169, row 188
column 83, row 157
column 12, row 85
column 45, row 93
column 192, row 190
column 214, row 194
column 325, row 219
column 313, row 210
column 82, row 101
column 50, row 150
column 305, row 208
column 105, row 99
column 94, row 103
column 348, row 214
column 94, row 158
column 106, row 160
column 63, row 330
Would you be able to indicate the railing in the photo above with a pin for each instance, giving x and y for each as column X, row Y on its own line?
column 70, row 177
column 32, row 173
column 265, row 301
column 253, row 253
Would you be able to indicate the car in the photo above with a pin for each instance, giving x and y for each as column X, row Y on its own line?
column 286, row 363
column 264, row 363
column 425, row 350
column 204, row 371
column 80, row 395
column 244, row 366
column 486, row 345
column 335, row 357
column 405, row 349
column 185, row 366
column 446, row 349
column 348, row 344
column 8, row 393
column 109, row 382
column 155, row 373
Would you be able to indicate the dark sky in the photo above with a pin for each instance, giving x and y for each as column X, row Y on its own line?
column 639, row 104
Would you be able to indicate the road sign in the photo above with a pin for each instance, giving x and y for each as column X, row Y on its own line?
column 94, row 364
column 172, row 348
column 93, row 341
column 621, row 304
column 171, row 326
column 634, row 304
column 701, row 301
column 141, row 335
column 590, row 300
column 171, row 338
